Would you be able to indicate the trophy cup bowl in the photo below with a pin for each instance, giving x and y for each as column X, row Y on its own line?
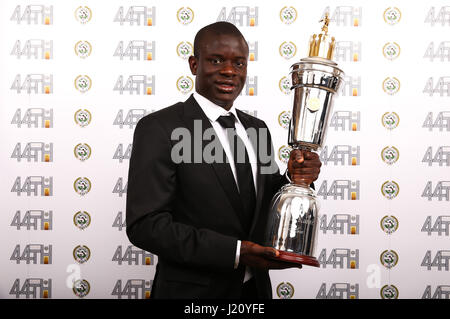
column 293, row 215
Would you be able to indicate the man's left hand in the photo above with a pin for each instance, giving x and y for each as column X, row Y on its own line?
column 303, row 166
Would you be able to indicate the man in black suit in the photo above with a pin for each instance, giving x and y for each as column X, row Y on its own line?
column 201, row 178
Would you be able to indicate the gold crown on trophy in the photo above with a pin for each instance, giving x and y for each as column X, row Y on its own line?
column 323, row 45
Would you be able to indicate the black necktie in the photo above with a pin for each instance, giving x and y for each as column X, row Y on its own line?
column 243, row 168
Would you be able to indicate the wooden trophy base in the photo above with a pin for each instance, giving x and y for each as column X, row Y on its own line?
column 298, row 259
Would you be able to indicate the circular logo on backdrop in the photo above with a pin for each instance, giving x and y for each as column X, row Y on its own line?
column 288, row 15
column 185, row 15
column 285, row 85
column 285, row 290
column 287, row 50
column 83, row 49
column 83, row 83
column 390, row 189
column 82, row 151
column 82, row 220
column 391, row 85
column 389, row 292
column 389, row 224
column 390, row 155
column 391, row 50
column 83, row 14
column 82, row 185
column 392, row 15
column 83, row 117
column 389, row 259
column 284, row 119
column 390, row 120
column 81, row 254
column 81, row 288
column 185, row 49
column 283, row 153
column 185, row 84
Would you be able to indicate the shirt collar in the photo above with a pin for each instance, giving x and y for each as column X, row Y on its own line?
column 212, row 110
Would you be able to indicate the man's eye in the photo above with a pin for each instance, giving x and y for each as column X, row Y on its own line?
column 216, row 61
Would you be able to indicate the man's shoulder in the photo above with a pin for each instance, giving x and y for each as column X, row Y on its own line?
column 165, row 115
column 250, row 118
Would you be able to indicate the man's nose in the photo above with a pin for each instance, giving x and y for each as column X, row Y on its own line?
column 228, row 69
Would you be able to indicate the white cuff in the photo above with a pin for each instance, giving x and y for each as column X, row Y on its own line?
column 238, row 253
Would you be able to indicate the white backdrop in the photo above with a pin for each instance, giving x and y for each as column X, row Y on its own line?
column 84, row 72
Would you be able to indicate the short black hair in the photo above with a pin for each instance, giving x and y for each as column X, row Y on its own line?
column 217, row 28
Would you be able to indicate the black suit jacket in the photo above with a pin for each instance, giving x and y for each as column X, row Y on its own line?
column 189, row 214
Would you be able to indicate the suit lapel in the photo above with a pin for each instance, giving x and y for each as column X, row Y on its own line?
column 192, row 112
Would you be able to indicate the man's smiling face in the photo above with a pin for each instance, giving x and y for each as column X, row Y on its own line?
column 220, row 68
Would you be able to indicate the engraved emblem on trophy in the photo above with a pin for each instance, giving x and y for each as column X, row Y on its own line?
column 293, row 216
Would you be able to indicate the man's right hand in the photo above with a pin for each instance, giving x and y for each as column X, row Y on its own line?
column 254, row 255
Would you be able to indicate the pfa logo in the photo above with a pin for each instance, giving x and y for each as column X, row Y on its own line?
column 347, row 51
column 346, row 120
column 284, row 118
column 33, row 219
column 185, row 49
column 83, row 49
column 284, row 153
column 34, row 48
column 81, row 254
column 344, row 15
column 119, row 222
column 440, row 226
column 389, row 259
column 340, row 223
column 33, row 83
column 122, row 154
column 33, row 253
column 391, row 85
column 141, row 15
column 81, row 288
column 389, row 224
column 240, row 16
column 441, row 122
column 390, row 189
column 340, row 258
column 133, row 289
column 120, row 188
column 389, row 292
column 36, row 151
column 136, row 49
column 390, row 155
column 82, row 151
column 338, row 291
column 82, row 185
column 185, row 15
column 287, row 49
column 83, row 14
column 285, row 290
column 185, row 84
column 136, row 84
column 288, row 15
column 441, row 52
column 391, row 50
column 83, row 83
column 390, row 120
column 34, row 117
column 82, row 117
column 82, row 220
column 33, row 14
column 285, row 85
column 392, row 15
column 441, row 191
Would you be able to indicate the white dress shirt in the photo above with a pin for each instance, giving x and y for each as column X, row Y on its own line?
column 213, row 111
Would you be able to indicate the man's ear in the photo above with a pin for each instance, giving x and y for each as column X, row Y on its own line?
column 193, row 64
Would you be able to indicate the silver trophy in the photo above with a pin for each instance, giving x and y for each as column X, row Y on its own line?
column 292, row 224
